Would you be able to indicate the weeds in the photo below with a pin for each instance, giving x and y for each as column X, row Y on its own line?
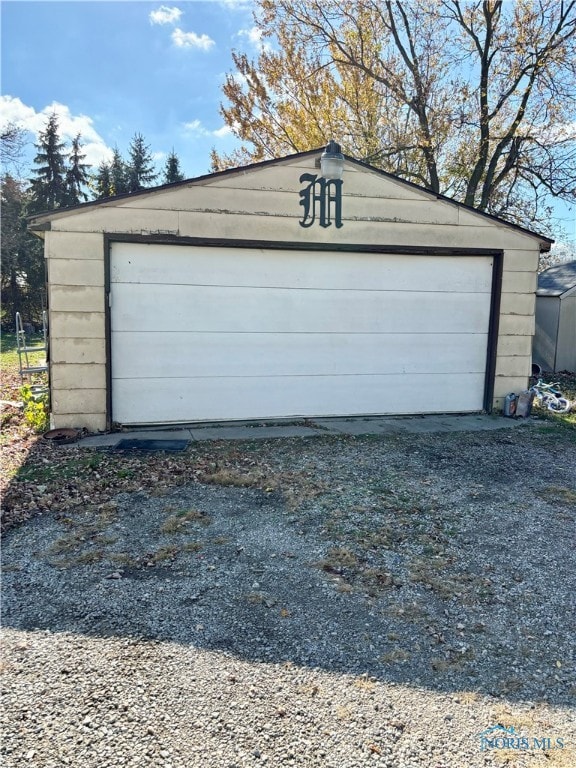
column 176, row 523
column 559, row 495
column 232, row 478
column 192, row 546
column 163, row 554
column 124, row 559
column 35, row 409
column 75, row 468
column 365, row 683
column 338, row 559
column 396, row 656
column 374, row 580
column 84, row 558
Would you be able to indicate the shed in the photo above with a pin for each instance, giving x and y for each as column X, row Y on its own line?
column 555, row 338
column 268, row 292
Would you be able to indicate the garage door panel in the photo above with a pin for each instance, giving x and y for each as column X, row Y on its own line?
column 204, row 334
column 224, row 354
column 166, row 265
column 275, row 310
column 232, row 398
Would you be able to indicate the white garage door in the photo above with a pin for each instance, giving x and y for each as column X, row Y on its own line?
column 204, row 334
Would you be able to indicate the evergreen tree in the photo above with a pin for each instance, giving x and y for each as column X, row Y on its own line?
column 172, row 170
column 49, row 186
column 23, row 276
column 102, row 181
column 77, row 175
column 118, row 174
column 140, row 168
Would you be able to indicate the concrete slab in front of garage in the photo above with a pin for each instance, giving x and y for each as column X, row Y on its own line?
column 356, row 426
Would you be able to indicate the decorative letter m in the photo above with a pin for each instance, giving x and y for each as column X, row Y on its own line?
column 324, row 193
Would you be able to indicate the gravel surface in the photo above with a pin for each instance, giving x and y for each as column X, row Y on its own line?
column 324, row 602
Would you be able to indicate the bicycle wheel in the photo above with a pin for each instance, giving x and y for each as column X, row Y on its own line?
column 559, row 405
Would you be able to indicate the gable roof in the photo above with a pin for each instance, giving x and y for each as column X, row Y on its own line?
column 41, row 221
column 557, row 280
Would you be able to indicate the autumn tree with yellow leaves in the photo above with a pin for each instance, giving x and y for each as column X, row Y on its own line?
column 475, row 100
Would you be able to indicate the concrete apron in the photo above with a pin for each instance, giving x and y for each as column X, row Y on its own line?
column 377, row 425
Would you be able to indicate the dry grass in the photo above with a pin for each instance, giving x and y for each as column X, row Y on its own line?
column 374, row 580
column 559, row 495
column 337, row 559
column 364, row 683
column 124, row 559
column 90, row 557
column 176, row 523
column 395, row 656
column 469, row 697
column 192, row 546
column 255, row 598
column 233, row 478
column 412, row 612
column 164, row 554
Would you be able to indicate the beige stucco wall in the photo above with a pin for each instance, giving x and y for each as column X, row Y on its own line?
column 262, row 204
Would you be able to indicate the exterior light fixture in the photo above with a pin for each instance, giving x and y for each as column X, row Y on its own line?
column 332, row 161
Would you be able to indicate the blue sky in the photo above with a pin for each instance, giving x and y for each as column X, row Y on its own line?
column 110, row 69
column 113, row 68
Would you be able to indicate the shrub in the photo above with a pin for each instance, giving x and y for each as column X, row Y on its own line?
column 35, row 408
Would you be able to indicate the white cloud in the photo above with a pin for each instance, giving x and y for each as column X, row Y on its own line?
column 254, row 34
column 13, row 110
column 238, row 5
column 170, row 15
column 254, row 37
column 165, row 15
column 557, row 133
column 195, row 128
column 221, row 132
column 191, row 40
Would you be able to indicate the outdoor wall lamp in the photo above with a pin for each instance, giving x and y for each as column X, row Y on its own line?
column 332, row 161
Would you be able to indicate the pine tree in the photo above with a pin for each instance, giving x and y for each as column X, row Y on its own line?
column 49, row 186
column 140, row 168
column 23, row 276
column 172, row 171
column 102, row 181
column 118, row 174
column 77, row 175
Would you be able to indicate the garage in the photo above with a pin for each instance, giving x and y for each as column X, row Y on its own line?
column 274, row 291
column 222, row 334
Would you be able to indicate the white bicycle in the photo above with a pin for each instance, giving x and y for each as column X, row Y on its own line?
column 549, row 397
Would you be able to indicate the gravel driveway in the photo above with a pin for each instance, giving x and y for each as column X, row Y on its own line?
column 334, row 602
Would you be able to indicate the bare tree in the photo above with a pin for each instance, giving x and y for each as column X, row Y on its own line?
column 12, row 142
column 474, row 99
